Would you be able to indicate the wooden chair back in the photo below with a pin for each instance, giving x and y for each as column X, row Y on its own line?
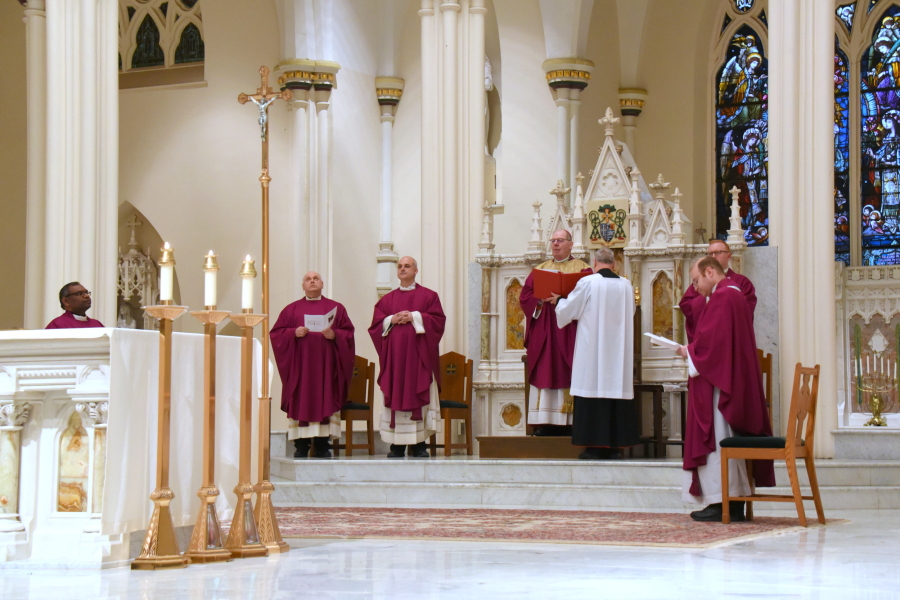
column 362, row 384
column 803, row 408
column 456, row 378
column 638, row 348
column 765, row 365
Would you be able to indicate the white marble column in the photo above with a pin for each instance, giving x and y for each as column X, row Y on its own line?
column 36, row 99
column 567, row 78
column 801, row 163
column 13, row 416
column 631, row 103
column 430, row 216
column 296, row 74
column 389, row 91
column 81, row 216
column 451, row 275
column 476, row 122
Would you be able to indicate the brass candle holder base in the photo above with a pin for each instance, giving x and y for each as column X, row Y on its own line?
column 160, row 549
column 243, row 537
column 269, row 533
column 206, row 539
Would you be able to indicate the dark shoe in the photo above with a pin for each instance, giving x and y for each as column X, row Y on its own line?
column 397, row 451
column 710, row 514
column 543, row 431
column 736, row 511
column 591, row 454
column 301, row 447
column 615, row 455
column 419, row 451
column 322, row 449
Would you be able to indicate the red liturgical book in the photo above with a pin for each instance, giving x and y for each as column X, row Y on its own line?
column 556, row 282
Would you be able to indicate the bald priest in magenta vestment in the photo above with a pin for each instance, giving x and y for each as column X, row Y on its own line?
column 406, row 329
column 550, row 348
column 315, row 367
column 726, row 395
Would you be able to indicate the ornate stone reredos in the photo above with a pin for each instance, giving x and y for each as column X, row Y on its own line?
column 659, row 230
column 609, row 181
column 562, row 217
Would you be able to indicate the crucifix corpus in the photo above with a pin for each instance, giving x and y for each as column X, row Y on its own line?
column 267, row 524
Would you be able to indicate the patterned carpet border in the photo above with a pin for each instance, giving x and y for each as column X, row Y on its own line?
column 673, row 530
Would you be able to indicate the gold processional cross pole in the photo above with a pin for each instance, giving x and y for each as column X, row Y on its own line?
column 269, row 533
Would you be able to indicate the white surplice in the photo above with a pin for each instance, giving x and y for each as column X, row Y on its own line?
column 604, row 341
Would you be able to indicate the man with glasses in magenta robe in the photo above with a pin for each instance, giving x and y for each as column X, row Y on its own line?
column 75, row 300
column 550, row 349
column 692, row 303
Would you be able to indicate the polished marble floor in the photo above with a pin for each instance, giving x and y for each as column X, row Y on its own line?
column 857, row 560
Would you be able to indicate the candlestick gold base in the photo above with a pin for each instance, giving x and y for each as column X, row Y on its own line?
column 247, row 319
column 269, row 533
column 243, row 537
column 160, row 550
column 210, row 316
column 206, row 540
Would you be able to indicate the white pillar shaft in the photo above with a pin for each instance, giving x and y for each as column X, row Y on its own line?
column 387, row 174
column 574, row 104
column 451, row 206
column 81, row 218
column 300, row 189
column 36, row 77
column 477, row 133
column 629, row 124
column 430, row 201
column 562, row 140
column 801, row 42
column 323, row 208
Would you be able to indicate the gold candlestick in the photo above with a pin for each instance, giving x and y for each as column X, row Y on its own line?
column 206, row 539
column 243, row 538
column 160, row 550
column 265, row 511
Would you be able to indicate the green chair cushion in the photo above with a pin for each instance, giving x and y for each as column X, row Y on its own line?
column 453, row 404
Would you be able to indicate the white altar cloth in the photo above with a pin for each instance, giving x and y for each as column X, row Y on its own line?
column 131, row 442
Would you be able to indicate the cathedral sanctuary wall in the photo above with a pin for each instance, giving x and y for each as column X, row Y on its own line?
column 12, row 166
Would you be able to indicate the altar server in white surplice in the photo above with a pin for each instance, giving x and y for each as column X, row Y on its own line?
column 605, row 415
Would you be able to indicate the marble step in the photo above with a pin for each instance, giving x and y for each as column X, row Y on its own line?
column 470, row 482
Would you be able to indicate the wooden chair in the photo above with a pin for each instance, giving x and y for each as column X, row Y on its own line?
column 358, row 406
column 796, row 445
column 765, row 365
column 456, row 400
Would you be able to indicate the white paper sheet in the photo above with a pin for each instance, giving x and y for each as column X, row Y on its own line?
column 319, row 323
column 661, row 341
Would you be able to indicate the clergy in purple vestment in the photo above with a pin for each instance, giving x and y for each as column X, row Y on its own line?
column 692, row 303
column 312, row 341
column 75, row 300
column 726, row 396
column 406, row 329
column 550, row 348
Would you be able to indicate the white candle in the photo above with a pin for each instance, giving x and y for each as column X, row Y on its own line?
column 167, row 274
column 248, row 273
column 210, row 273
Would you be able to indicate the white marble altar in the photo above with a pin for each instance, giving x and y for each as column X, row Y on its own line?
column 80, row 406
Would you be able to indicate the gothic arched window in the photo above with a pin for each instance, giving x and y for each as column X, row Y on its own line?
column 841, row 156
column 742, row 136
column 880, row 143
column 190, row 48
column 147, row 51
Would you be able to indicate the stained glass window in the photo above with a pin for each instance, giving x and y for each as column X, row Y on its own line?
column 148, row 52
column 762, row 17
column 880, row 143
column 743, row 5
column 742, row 137
column 841, row 156
column 725, row 23
column 872, row 4
column 190, row 48
column 845, row 14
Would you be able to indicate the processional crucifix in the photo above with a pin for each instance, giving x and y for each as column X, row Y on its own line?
column 267, row 524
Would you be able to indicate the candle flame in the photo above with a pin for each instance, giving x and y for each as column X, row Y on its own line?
column 247, row 259
column 166, row 246
column 210, row 253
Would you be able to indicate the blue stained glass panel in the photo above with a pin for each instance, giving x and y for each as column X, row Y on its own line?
column 743, row 5
column 841, row 156
column 872, row 4
column 880, row 143
column 762, row 17
column 742, row 154
column 725, row 23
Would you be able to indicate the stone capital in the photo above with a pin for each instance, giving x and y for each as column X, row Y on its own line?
column 568, row 73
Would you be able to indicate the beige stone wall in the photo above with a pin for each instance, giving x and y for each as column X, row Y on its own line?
column 12, row 165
